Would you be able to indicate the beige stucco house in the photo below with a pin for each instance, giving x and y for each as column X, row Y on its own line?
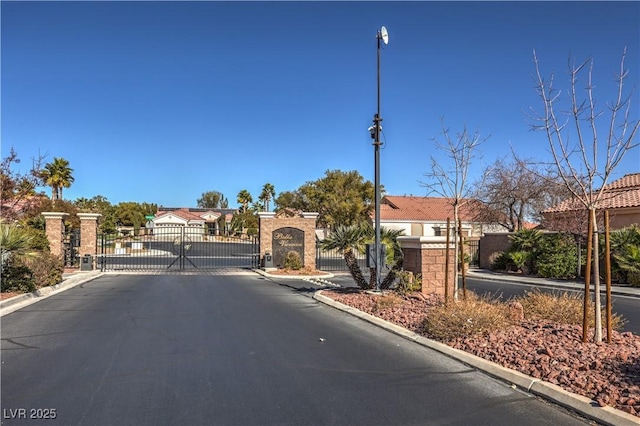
column 427, row 216
column 196, row 222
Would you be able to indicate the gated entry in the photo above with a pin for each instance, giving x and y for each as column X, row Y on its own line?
column 176, row 248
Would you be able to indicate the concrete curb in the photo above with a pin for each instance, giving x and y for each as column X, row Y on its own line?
column 18, row 302
column 586, row 407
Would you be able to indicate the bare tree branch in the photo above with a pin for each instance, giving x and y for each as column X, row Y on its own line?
column 580, row 169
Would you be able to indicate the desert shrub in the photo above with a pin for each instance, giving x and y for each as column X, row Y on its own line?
column 407, row 282
column 25, row 274
column 16, row 277
column 388, row 301
column 561, row 307
column 557, row 257
column 47, row 269
column 293, row 261
column 475, row 315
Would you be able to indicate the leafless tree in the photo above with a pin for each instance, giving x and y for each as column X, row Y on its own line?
column 514, row 191
column 449, row 177
column 584, row 161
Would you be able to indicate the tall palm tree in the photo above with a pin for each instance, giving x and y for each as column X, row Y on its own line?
column 347, row 239
column 244, row 198
column 267, row 194
column 57, row 175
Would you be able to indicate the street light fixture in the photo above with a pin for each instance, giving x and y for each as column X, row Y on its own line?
column 383, row 36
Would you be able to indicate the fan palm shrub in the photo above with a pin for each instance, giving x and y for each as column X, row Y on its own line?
column 351, row 239
column 347, row 240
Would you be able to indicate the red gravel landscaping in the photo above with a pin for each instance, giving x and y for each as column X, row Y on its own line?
column 606, row 373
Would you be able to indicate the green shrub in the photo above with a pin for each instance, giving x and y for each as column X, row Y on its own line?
column 557, row 257
column 407, row 282
column 502, row 262
column 16, row 277
column 293, row 261
column 526, row 240
column 625, row 255
column 520, row 260
column 39, row 240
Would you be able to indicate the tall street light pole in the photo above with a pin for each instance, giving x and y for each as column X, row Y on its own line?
column 383, row 36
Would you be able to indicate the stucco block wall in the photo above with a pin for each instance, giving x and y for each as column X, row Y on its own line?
column 489, row 247
column 624, row 218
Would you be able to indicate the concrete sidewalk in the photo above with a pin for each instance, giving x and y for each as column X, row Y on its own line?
column 619, row 290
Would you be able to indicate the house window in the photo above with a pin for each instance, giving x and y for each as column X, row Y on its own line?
column 437, row 231
column 416, row 229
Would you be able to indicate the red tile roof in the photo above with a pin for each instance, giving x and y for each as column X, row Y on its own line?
column 622, row 193
column 422, row 209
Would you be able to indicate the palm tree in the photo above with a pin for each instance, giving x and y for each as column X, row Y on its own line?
column 267, row 194
column 244, row 198
column 57, row 175
column 347, row 239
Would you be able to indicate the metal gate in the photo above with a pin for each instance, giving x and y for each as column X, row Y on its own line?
column 176, row 249
column 474, row 251
column 333, row 260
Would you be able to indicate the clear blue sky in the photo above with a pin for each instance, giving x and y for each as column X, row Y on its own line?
column 162, row 101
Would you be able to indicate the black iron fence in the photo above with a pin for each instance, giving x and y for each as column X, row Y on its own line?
column 70, row 246
column 333, row 260
column 473, row 247
column 176, row 248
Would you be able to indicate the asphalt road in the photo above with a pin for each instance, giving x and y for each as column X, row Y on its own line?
column 233, row 350
column 628, row 307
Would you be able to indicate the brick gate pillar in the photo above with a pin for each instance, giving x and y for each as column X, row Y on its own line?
column 55, row 231
column 426, row 256
column 285, row 228
column 88, row 233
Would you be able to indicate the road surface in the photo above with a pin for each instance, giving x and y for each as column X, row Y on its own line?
column 214, row 349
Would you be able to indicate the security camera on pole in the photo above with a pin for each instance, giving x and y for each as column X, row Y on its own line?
column 375, row 130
